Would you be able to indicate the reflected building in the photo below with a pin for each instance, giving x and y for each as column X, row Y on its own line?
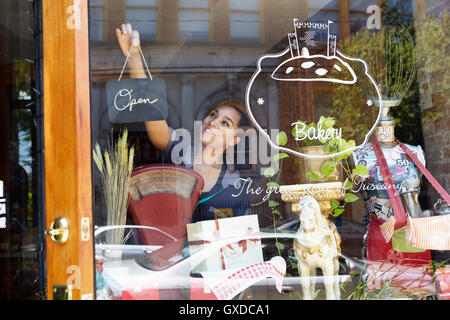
column 206, row 52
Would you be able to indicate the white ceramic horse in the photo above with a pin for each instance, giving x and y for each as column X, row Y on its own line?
column 317, row 245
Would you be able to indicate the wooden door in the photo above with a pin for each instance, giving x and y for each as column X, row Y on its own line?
column 67, row 134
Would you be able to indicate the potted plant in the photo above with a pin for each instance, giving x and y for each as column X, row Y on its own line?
column 312, row 169
column 329, row 170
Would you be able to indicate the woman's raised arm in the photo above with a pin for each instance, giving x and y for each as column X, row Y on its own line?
column 129, row 42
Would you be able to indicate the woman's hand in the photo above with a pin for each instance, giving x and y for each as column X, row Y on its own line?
column 130, row 43
column 127, row 37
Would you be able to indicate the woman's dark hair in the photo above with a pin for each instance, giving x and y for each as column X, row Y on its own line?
column 243, row 120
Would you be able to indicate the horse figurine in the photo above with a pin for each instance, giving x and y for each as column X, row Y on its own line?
column 317, row 245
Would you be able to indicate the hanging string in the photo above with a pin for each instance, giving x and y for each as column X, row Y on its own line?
column 126, row 61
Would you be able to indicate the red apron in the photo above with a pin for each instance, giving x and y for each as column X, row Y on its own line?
column 380, row 250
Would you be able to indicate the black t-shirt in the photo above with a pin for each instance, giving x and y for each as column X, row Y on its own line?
column 223, row 200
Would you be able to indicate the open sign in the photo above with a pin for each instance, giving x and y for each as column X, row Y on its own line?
column 136, row 100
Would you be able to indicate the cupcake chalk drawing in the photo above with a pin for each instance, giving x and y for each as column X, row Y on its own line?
column 299, row 65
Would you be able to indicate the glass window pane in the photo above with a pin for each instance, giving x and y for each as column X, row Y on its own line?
column 362, row 5
column 96, row 24
column 96, row 14
column 142, row 3
column 358, row 22
column 22, row 213
column 143, row 20
column 324, row 17
column 193, row 4
column 193, row 25
column 96, row 2
column 244, row 26
column 403, row 7
column 244, row 5
column 323, row 4
column 201, row 80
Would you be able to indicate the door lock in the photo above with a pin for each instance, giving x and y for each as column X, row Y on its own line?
column 59, row 230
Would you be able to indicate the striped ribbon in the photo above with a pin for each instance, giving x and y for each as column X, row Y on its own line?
column 426, row 173
column 399, row 211
column 427, row 233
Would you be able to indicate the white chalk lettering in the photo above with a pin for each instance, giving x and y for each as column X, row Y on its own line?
column 316, row 134
column 131, row 101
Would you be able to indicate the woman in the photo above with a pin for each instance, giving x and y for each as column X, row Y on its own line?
column 219, row 130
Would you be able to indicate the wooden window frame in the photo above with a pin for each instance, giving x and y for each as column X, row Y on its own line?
column 67, row 145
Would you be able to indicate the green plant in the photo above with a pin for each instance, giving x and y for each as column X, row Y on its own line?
column 361, row 291
column 433, row 62
column 273, row 177
column 333, row 146
column 115, row 165
column 325, row 123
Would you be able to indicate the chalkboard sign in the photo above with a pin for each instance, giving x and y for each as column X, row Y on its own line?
column 136, row 100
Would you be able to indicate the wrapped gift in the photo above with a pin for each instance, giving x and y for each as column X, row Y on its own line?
column 443, row 283
column 239, row 253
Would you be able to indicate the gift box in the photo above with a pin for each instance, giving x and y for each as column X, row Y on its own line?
column 443, row 283
column 239, row 253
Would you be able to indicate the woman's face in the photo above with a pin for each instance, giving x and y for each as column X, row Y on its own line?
column 220, row 126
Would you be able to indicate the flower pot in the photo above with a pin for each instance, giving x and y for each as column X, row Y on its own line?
column 307, row 164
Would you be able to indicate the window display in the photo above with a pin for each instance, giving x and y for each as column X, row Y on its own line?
column 246, row 150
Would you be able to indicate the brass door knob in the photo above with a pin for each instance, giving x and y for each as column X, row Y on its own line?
column 59, row 230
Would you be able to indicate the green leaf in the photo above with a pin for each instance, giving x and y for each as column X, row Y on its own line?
column 279, row 245
column 328, row 168
column 272, row 185
column 280, row 155
column 273, row 204
column 334, row 204
column 294, row 130
column 361, row 170
column 313, row 176
column 277, row 212
column 269, row 173
column 337, row 212
column 343, row 146
column 348, row 185
column 328, row 122
column 350, row 197
column 282, row 138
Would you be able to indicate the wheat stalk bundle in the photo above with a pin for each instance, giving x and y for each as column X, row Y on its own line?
column 115, row 165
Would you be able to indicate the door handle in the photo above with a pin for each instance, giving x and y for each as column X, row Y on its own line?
column 59, row 230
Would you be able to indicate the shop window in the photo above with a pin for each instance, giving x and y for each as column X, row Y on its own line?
column 193, row 20
column 201, row 81
column 244, row 21
column 361, row 5
column 96, row 13
column 142, row 15
column 322, row 12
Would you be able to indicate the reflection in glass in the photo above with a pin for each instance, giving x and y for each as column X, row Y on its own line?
column 200, row 75
column 143, row 19
column 193, row 25
column 20, row 182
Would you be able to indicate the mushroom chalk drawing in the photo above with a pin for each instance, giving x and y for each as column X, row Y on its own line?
column 301, row 66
